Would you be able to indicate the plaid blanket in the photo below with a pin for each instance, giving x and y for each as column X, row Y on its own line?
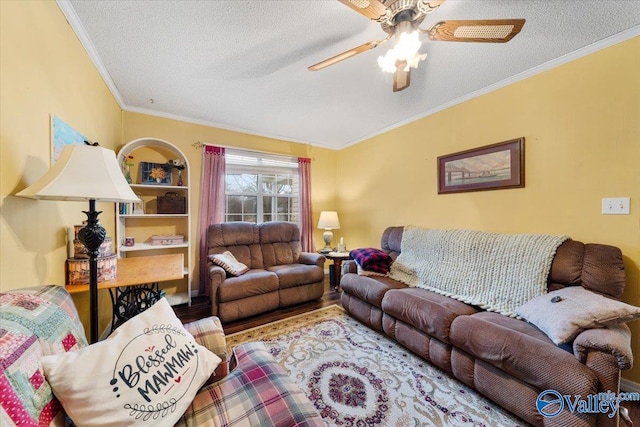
column 257, row 392
column 372, row 259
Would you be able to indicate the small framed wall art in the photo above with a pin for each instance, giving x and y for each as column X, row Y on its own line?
column 61, row 135
column 154, row 173
column 491, row 167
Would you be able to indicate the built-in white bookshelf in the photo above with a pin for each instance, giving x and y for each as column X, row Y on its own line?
column 142, row 221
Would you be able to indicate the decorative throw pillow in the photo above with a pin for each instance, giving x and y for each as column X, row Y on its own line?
column 229, row 263
column 564, row 313
column 145, row 374
column 372, row 260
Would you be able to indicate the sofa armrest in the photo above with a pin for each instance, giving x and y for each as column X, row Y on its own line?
column 311, row 258
column 217, row 275
column 349, row 266
column 209, row 333
column 614, row 340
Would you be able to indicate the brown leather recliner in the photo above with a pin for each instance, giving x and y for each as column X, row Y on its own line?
column 279, row 275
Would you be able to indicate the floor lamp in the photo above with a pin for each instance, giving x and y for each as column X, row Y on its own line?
column 82, row 173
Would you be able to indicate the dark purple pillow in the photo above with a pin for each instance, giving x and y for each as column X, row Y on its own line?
column 372, row 259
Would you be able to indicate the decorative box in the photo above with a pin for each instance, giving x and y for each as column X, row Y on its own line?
column 105, row 249
column 172, row 203
column 166, row 239
column 78, row 270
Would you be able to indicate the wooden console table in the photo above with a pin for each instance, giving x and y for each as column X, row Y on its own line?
column 135, row 287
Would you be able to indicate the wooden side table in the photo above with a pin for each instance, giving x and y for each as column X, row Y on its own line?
column 336, row 267
column 135, row 287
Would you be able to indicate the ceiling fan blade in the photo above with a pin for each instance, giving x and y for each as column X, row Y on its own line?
column 401, row 79
column 372, row 9
column 486, row 31
column 347, row 54
column 434, row 4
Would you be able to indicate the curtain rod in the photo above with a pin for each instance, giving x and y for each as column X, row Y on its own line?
column 200, row 144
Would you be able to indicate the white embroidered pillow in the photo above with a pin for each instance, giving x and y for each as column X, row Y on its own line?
column 229, row 263
column 145, row 374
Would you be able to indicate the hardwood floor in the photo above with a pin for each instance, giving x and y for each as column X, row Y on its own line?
column 201, row 308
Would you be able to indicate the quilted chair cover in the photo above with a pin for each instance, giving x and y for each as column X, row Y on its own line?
column 34, row 322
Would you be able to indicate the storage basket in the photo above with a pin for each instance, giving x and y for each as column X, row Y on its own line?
column 78, row 270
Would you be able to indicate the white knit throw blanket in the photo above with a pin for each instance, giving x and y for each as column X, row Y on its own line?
column 497, row 272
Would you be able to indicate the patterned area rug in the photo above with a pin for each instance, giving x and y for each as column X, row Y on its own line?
column 357, row 377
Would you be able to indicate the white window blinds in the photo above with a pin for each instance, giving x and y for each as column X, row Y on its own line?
column 253, row 161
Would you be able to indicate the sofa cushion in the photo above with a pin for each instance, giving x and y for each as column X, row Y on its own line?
column 603, row 269
column 291, row 275
column 369, row 289
column 257, row 392
column 229, row 263
column 391, row 241
column 522, row 351
column 242, row 239
column 252, row 283
column 599, row 268
column 146, row 373
column 574, row 310
column 280, row 243
column 232, row 234
column 426, row 311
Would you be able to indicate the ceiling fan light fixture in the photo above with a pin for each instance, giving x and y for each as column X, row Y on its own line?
column 405, row 50
column 387, row 63
column 408, row 45
column 413, row 62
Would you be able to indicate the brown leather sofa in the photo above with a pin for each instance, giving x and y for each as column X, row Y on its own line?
column 508, row 360
column 279, row 275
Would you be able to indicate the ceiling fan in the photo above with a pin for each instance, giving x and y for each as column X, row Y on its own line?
column 401, row 18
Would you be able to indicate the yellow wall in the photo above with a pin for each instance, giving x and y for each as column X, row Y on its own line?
column 44, row 70
column 581, row 122
column 184, row 135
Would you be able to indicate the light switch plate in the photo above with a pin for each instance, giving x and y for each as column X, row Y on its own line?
column 615, row 206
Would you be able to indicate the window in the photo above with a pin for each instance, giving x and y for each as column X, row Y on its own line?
column 261, row 187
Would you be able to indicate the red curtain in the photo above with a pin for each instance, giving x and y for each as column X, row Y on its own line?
column 213, row 204
column 306, row 217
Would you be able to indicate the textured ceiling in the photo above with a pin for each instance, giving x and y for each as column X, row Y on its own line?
column 242, row 65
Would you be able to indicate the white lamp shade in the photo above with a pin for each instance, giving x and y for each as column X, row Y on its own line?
column 329, row 220
column 83, row 172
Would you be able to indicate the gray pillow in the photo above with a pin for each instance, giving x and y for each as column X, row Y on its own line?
column 576, row 310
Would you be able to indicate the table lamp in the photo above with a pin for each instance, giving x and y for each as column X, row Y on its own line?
column 85, row 172
column 329, row 221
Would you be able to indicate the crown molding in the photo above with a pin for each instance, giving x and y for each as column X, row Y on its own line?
column 74, row 21
column 576, row 54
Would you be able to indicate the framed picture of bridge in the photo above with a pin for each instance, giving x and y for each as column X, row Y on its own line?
column 491, row 167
